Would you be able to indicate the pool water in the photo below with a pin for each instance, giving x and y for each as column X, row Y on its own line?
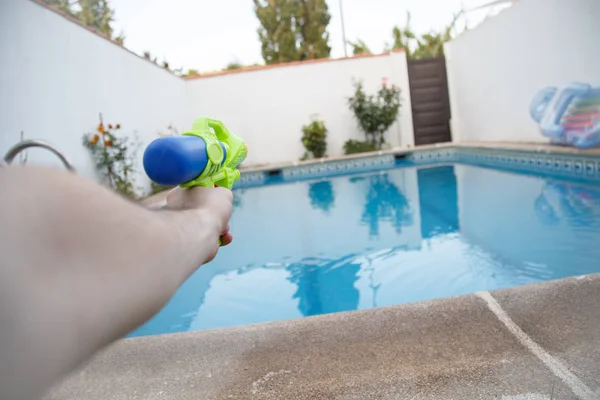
column 392, row 237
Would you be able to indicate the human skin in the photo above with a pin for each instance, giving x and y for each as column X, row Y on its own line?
column 81, row 266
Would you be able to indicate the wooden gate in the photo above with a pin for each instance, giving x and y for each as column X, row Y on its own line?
column 430, row 101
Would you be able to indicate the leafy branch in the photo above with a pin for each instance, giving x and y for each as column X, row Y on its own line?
column 114, row 157
column 427, row 45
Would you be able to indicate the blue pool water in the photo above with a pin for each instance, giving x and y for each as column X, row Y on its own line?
column 385, row 238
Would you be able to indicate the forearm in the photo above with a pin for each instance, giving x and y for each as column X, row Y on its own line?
column 91, row 253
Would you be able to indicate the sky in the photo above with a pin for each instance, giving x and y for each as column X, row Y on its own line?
column 206, row 35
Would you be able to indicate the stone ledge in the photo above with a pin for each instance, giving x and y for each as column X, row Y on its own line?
column 452, row 348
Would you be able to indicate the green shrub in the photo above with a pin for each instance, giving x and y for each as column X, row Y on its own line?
column 356, row 146
column 314, row 139
column 375, row 113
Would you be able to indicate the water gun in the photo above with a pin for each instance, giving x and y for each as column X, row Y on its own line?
column 208, row 156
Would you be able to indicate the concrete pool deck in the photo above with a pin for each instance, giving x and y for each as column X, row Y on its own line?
column 535, row 342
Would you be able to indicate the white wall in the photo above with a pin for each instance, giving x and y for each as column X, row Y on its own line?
column 269, row 107
column 495, row 70
column 55, row 77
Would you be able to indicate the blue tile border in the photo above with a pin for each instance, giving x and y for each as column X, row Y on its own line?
column 248, row 179
column 430, row 156
column 338, row 167
column 319, row 170
column 565, row 165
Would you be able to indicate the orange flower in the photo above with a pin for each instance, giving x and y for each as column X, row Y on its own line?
column 107, row 143
column 100, row 128
column 94, row 139
column 109, row 126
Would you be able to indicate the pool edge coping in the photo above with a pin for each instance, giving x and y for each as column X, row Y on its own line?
column 513, row 146
column 158, row 200
column 237, row 357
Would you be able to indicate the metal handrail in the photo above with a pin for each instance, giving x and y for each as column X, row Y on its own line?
column 19, row 147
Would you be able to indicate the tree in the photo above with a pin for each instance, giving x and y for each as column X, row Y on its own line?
column 313, row 18
column 293, row 30
column 234, row 65
column 62, row 5
column 95, row 14
column 277, row 32
column 359, row 47
column 402, row 37
column 428, row 45
column 148, row 56
column 191, row 72
column 432, row 44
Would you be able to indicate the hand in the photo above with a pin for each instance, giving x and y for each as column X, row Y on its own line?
column 215, row 205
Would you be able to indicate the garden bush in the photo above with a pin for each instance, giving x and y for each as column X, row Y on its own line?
column 356, row 146
column 375, row 113
column 314, row 139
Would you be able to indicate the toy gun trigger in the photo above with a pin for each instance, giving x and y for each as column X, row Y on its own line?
column 227, row 177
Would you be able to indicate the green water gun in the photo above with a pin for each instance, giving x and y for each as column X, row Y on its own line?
column 208, row 155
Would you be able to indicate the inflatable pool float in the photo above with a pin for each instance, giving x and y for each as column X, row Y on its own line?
column 569, row 115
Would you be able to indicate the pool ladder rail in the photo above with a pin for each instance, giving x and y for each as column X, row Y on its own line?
column 14, row 151
column 26, row 144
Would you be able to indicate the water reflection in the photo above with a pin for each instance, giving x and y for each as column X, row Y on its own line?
column 238, row 196
column 385, row 202
column 406, row 235
column 438, row 201
column 570, row 202
column 324, row 285
column 321, row 195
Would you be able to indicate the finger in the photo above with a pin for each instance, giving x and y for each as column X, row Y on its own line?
column 187, row 198
column 174, row 200
column 226, row 192
column 226, row 239
column 226, row 231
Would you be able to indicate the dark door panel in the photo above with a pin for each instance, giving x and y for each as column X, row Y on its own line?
column 430, row 101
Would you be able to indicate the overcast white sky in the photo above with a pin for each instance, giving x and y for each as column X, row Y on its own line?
column 208, row 34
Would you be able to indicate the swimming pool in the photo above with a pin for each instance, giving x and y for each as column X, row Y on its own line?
column 389, row 237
